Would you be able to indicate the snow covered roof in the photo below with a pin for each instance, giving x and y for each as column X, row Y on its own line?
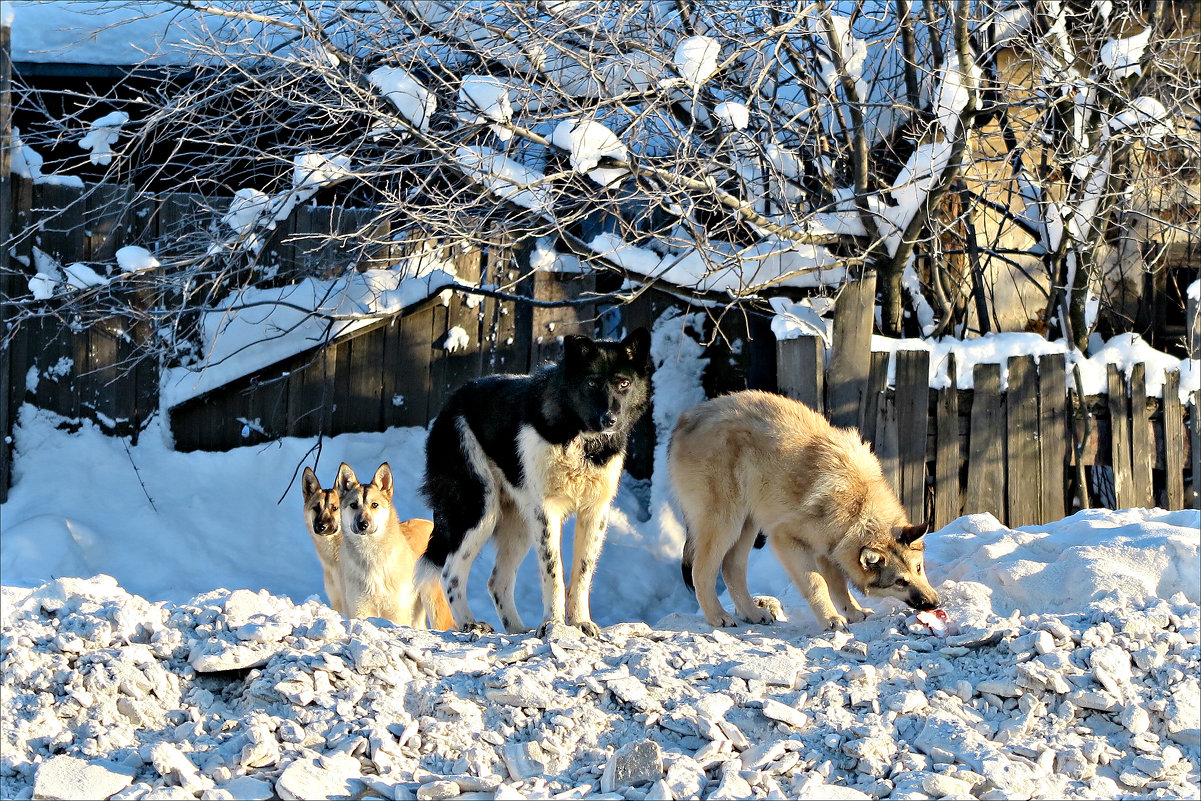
column 89, row 32
column 262, row 327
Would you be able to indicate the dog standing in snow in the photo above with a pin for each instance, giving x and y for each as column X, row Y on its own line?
column 323, row 520
column 511, row 456
column 378, row 559
column 753, row 461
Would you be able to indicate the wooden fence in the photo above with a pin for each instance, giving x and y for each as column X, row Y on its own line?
column 1023, row 453
column 1028, row 452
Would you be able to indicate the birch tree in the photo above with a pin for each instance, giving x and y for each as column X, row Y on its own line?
column 734, row 151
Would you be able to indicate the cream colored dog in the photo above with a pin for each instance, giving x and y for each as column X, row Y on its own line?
column 323, row 520
column 378, row 558
column 753, row 461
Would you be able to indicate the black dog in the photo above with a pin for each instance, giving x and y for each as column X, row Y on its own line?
column 513, row 456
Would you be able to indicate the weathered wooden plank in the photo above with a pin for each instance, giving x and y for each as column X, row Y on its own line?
column 99, row 383
column 799, row 370
column 551, row 324
column 985, row 490
column 7, row 278
column 1173, row 441
column 1119, row 433
column 434, row 340
column 1142, row 448
column 1194, row 417
column 463, row 313
column 365, row 385
column 849, row 360
column 948, row 458
column 912, row 402
column 509, row 341
column 411, row 389
column 1023, row 469
column 58, row 211
column 22, row 222
column 887, row 439
column 310, row 394
column 875, row 392
column 268, row 407
column 343, row 375
column 107, row 210
column 1052, row 435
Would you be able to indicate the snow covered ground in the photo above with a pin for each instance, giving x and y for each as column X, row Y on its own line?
column 207, row 666
column 163, row 635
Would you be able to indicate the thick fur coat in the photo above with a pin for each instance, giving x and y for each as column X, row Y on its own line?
column 510, row 457
column 753, row 461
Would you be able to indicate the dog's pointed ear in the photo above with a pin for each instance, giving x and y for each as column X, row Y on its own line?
column 309, row 484
column 383, row 480
column 869, row 558
column 638, row 347
column 908, row 535
column 346, row 479
column 577, row 348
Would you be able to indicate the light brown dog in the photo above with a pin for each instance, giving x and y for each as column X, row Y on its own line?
column 753, row 461
column 417, row 532
column 323, row 520
column 379, row 555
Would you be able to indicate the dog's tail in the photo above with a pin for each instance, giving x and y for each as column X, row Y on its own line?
column 433, row 598
column 687, row 559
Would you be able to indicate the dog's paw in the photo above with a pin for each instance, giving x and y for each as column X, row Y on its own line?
column 476, row 627
column 771, row 605
column 589, row 628
column 856, row 614
column 722, row 621
column 553, row 629
column 836, row 623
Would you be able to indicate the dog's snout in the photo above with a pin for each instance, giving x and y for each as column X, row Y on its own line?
column 360, row 525
column 924, row 601
column 608, row 420
column 319, row 527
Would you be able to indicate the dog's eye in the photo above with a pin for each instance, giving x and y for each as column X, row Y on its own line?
column 374, row 505
column 333, row 508
column 623, row 383
column 919, row 570
column 354, row 505
column 593, row 381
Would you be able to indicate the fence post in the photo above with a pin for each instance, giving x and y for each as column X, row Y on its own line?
column 1119, row 436
column 1195, row 446
column 1024, row 490
column 985, row 461
column 854, row 314
column 947, row 459
column 1052, row 434
column 1173, row 441
column 1142, row 440
column 1193, row 324
column 800, row 370
column 913, row 417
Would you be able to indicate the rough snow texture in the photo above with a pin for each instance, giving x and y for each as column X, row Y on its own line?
column 241, row 692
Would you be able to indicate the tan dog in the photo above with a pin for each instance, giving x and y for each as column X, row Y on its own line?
column 753, row 461
column 378, row 556
column 323, row 520
column 417, row 532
